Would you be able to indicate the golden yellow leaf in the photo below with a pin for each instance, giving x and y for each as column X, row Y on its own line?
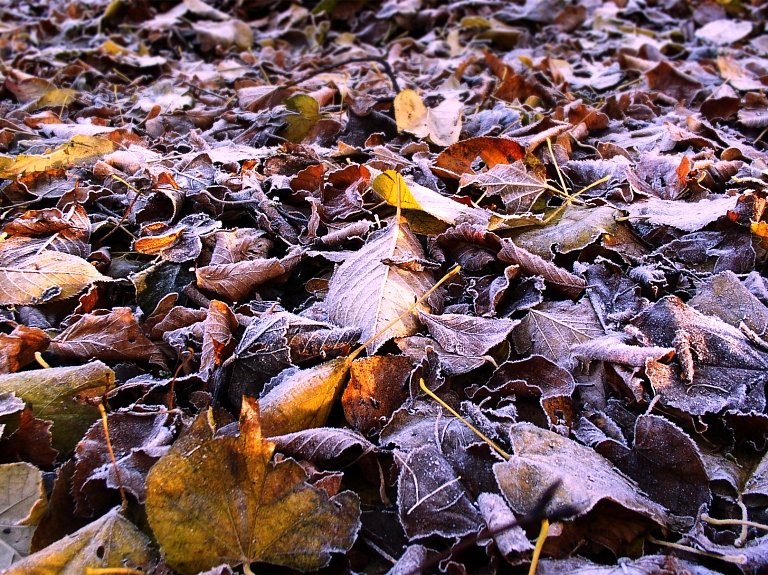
column 78, row 151
column 303, row 399
column 214, row 500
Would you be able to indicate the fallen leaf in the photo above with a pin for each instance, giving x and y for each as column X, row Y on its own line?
column 467, row 335
column 109, row 542
column 724, row 31
column 65, row 395
column 366, row 293
column 80, row 150
column 44, row 277
column 441, row 124
column 458, row 158
column 22, row 503
column 270, row 514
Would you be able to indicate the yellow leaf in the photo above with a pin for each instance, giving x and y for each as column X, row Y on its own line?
column 56, row 98
column 417, row 197
column 80, row 150
column 304, row 398
column 220, row 499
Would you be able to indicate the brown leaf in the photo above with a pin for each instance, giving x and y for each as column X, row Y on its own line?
column 218, row 340
column 178, row 243
column 237, row 281
column 457, row 159
column 377, row 387
column 31, row 442
column 18, row 348
column 108, row 336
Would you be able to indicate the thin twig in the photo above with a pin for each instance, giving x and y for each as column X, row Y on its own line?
column 329, row 67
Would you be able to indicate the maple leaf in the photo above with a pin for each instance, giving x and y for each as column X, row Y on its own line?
column 213, row 500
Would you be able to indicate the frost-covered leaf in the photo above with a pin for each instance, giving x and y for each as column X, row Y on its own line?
column 441, row 124
column 22, row 502
column 467, row 335
column 213, row 500
column 44, row 277
column 533, row 265
column 519, row 189
column 368, row 294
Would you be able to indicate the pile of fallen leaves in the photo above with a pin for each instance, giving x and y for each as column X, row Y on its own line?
column 383, row 286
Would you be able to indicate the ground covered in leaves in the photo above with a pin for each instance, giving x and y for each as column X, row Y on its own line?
column 383, row 286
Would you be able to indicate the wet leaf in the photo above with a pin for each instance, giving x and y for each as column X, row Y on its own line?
column 270, row 514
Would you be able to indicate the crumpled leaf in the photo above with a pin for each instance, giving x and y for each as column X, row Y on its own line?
column 717, row 367
column 138, row 441
column 458, row 158
column 214, row 500
column 665, row 463
column 535, row 376
column 178, row 243
column 44, row 277
column 22, row 503
column 65, row 395
column 377, row 387
column 724, row 296
column 218, row 341
column 541, row 457
column 441, row 124
column 111, row 336
column 109, row 542
column 367, row 293
column 306, row 113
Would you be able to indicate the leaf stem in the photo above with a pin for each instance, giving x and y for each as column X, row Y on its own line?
column 112, row 456
column 539, row 546
column 351, row 357
column 431, row 394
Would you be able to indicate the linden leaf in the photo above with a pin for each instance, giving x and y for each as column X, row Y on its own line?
column 367, row 293
column 306, row 114
column 214, row 500
column 111, row 542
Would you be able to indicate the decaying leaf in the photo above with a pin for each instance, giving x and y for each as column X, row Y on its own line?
column 213, row 500
column 110, row 542
column 22, row 503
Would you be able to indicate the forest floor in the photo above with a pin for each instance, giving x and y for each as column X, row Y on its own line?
column 404, row 286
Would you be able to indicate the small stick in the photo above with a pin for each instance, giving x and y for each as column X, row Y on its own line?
column 112, row 455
